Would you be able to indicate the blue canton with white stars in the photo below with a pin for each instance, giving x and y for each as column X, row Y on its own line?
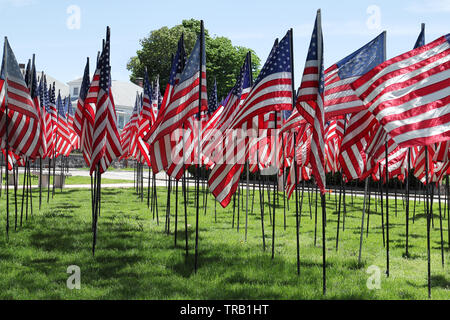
column 420, row 40
column 105, row 68
column 192, row 65
column 279, row 59
column 85, row 83
column 178, row 62
column 147, row 86
column 212, row 99
column 363, row 59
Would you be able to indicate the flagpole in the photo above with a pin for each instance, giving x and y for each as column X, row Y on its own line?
column 40, row 182
column 15, row 178
column 5, row 59
column 340, row 193
column 368, row 207
column 56, row 146
column 428, row 224
column 31, row 190
column 274, row 193
column 381, row 205
column 387, row 209
column 176, row 212
column 440, row 225
column 362, row 221
column 407, row 201
column 198, row 147
column 249, row 56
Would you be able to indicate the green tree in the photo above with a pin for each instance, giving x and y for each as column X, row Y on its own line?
column 223, row 60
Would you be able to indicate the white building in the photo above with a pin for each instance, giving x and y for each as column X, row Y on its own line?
column 124, row 94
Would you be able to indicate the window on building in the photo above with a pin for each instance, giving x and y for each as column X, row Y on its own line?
column 75, row 91
column 120, row 120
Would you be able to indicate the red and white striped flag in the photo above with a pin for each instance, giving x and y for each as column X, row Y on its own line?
column 409, row 94
column 310, row 102
column 84, row 117
column 340, row 99
column 105, row 138
column 182, row 104
column 23, row 117
column 272, row 91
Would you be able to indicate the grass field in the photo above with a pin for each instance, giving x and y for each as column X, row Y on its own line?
column 135, row 259
column 70, row 180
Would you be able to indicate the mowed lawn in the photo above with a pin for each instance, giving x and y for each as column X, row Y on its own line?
column 136, row 259
column 69, row 180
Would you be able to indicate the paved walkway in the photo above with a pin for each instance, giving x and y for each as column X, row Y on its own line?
column 161, row 181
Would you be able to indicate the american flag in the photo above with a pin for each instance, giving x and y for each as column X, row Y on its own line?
column 48, row 119
column 23, row 117
column 35, row 96
column 409, row 94
column 52, row 111
column 310, row 102
column 234, row 99
column 74, row 139
column 163, row 147
column 340, row 99
column 359, row 133
column 43, row 115
column 421, row 38
column 300, row 154
column 212, row 99
column 134, row 128
column 146, row 119
column 82, row 124
column 63, row 146
column 333, row 138
column 105, row 138
column 183, row 104
column 272, row 91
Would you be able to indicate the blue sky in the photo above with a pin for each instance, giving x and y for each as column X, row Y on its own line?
column 40, row 27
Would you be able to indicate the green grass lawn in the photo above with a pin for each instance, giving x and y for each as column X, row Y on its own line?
column 70, row 180
column 135, row 259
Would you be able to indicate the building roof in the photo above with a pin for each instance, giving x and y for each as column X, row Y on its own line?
column 58, row 85
column 124, row 93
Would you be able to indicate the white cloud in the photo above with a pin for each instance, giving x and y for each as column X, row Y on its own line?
column 435, row 6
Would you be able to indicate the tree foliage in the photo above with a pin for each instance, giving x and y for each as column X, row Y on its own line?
column 223, row 60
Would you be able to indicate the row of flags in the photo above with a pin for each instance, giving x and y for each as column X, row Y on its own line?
column 34, row 122
column 346, row 118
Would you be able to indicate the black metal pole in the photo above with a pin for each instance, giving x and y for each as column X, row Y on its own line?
column 387, row 208
column 185, row 214
column 198, row 154
column 382, row 213
column 440, row 225
column 48, row 182
column 315, row 220
column 274, row 194
column 324, row 241
column 176, row 212
column 407, row 203
column 40, row 183
column 428, row 224
column 31, row 189
column 16, row 178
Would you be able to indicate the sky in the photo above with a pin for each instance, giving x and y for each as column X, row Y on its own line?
column 63, row 33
